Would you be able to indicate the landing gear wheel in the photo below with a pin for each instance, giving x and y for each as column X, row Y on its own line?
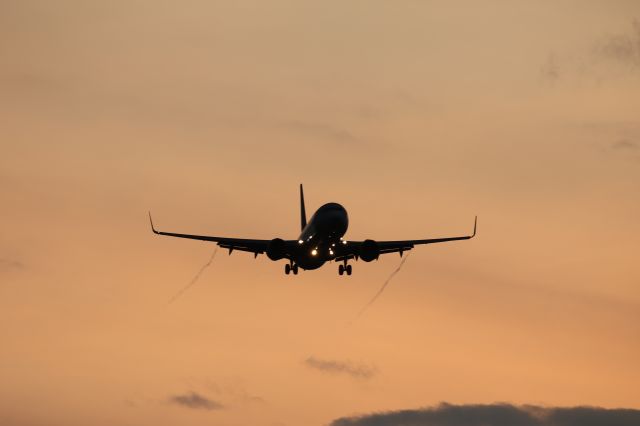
column 341, row 269
column 295, row 269
column 348, row 269
column 287, row 269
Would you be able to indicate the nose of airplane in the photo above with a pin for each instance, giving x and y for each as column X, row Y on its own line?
column 334, row 218
column 335, row 221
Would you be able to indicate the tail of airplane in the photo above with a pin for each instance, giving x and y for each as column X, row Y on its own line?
column 303, row 213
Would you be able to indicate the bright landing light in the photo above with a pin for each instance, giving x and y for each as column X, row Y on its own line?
column 314, row 252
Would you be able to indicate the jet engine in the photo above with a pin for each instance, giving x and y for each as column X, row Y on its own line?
column 277, row 249
column 369, row 250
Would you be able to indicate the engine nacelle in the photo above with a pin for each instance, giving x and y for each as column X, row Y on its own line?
column 277, row 249
column 369, row 250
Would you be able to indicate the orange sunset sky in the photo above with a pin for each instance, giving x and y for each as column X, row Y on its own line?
column 415, row 115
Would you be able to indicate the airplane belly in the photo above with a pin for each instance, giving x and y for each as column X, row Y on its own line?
column 308, row 262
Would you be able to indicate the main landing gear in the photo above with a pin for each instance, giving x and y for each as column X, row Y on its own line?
column 344, row 268
column 290, row 267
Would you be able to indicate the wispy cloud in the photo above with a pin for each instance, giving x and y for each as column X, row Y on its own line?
column 607, row 56
column 196, row 401
column 550, row 70
column 11, row 263
column 625, row 144
column 496, row 415
column 233, row 389
column 623, row 47
column 321, row 131
column 355, row 370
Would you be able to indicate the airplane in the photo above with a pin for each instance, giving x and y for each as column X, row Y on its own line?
column 320, row 241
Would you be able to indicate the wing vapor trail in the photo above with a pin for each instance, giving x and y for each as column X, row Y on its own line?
column 386, row 283
column 195, row 278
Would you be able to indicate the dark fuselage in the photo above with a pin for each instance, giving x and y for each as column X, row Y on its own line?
column 321, row 240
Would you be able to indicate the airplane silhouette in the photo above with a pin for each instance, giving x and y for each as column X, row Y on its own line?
column 320, row 241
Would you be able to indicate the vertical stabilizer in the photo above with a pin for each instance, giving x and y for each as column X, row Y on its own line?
column 303, row 213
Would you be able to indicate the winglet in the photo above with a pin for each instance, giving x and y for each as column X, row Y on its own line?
column 152, row 228
column 475, row 225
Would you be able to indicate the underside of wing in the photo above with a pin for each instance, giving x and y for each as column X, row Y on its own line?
column 369, row 250
column 242, row 244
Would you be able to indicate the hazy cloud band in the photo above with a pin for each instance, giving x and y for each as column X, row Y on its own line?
column 497, row 415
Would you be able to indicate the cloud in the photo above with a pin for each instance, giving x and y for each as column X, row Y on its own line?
column 321, row 131
column 358, row 371
column 233, row 389
column 604, row 59
column 32, row 81
column 496, row 415
column 195, row 401
column 550, row 70
column 623, row 48
column 625, row 144
column 10, row 263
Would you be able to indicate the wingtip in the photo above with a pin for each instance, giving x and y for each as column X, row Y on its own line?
column 475, row 226
column 151, row 222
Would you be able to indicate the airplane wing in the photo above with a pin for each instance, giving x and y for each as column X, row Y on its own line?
column 352, row 248
column 253, row 246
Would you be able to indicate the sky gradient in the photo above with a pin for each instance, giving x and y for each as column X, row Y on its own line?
column 415, row 115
